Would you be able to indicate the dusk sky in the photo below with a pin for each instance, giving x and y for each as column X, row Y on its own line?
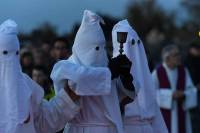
column 63, row 14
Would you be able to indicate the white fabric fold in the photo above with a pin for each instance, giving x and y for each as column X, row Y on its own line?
column 88, row 81
column 191, row 98
column 164, row 98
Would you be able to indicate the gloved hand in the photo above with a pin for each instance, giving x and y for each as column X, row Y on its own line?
column 113, row 65
column 124, row 72
column 119, row 65
column 127, row 81
column 124, row 64
column 123, row 103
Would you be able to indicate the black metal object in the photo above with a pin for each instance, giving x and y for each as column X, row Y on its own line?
column 121, row 38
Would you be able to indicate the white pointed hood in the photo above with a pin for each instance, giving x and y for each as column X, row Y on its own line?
column 89, row 44
column 8, row 36
column 134, row 50
column 88, row 50
column 15, row 95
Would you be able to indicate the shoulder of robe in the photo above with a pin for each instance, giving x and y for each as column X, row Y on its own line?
column 63, row 62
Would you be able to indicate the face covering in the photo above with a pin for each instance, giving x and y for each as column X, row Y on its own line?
column 134, row 50
column 89, row 44
column 15, row 95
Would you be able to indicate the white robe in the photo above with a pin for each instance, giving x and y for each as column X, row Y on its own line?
column 143, row 114
column 165, row 100
column 143, row 121
column 22, row 108
column 47, row 117
column 138, row 120
column 99, row 103
column 151, row 123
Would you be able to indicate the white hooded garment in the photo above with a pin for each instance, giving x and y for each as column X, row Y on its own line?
column 15, row 93
column 100, row 112
column 22, row 109
column 143, row 114
column 89, row 44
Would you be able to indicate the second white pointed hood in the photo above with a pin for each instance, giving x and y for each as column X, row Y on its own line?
column 134, row 50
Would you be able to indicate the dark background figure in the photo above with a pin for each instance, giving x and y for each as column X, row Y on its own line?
column 38, row 56
column 27, row 62
column 61, row 49
column 193, row 63
column 40, row 76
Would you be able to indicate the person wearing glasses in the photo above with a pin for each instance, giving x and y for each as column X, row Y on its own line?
column 176, row 91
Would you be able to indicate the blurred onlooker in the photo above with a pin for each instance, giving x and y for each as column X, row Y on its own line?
column 40, row 76
column 62, row 49
column 193, row 63
column 26, row 59
column 45, row 47
column 39, row 58
column 176, row 92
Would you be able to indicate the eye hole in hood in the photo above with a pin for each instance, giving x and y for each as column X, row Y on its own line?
column 97, row 48
column 138, row 41
column 5, row 52
column 133, row 42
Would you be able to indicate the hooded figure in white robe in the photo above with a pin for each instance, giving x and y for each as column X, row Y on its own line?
column 143, row 114
column 169, row 81
column 100, row 111
column 22, row 108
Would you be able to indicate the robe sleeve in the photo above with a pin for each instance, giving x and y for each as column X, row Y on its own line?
column 53, row 115
column 89, row 81
column 50, row 116
column 190, row 93
column 164, row 95
column 158, row 123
